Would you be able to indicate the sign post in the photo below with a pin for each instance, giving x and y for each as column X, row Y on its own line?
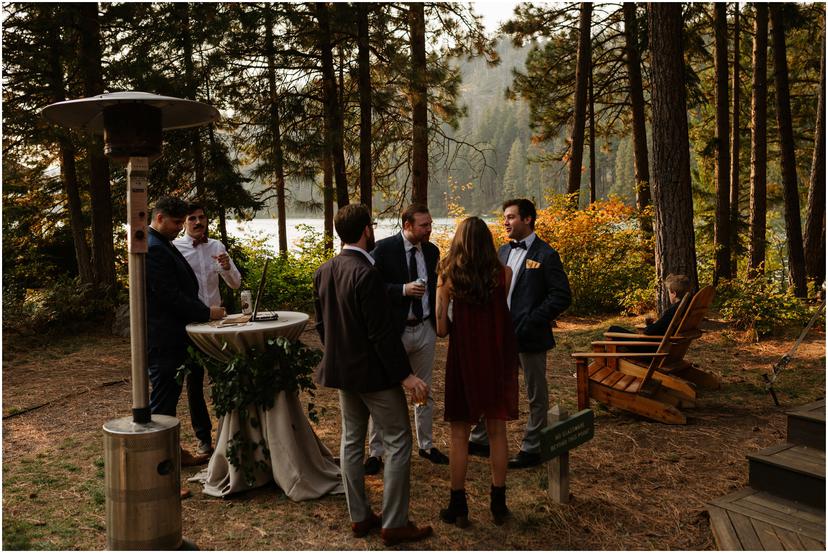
column 562, row 434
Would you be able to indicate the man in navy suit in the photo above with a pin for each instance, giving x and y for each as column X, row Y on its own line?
column 408, row 264
column 172, row 303
column 538, row 294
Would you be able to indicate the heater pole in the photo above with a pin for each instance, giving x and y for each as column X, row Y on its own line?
column 137, row 176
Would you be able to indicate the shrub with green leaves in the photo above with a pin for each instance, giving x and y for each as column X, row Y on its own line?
column 289, row 283
column 761, row 305
column 63, row 304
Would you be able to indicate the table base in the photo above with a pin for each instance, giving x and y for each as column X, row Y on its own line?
column 299, row 462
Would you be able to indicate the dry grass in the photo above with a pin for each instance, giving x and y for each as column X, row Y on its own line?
column 636, row 485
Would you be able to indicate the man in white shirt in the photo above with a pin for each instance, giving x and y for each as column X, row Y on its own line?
column 209, row 260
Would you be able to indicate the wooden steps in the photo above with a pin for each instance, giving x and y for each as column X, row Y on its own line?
column 784, row 509
column 791, row 471
column 751, row 520
column 806, row 425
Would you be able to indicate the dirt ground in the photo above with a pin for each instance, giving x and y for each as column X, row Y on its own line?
column 636, row 485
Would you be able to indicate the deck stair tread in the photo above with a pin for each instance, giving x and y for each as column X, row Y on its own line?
column 750, row 519
column 813, row 411
column 798, row 458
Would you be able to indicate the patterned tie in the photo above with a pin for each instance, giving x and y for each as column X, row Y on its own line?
column 202, row 240
column 416, row 303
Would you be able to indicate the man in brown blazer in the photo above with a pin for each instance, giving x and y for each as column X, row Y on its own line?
column 365, row 360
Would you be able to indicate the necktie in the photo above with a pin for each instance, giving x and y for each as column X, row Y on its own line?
column 514, row 244
column 202, row 240
column 416, row 303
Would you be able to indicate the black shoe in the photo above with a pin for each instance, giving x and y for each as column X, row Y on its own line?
column 478, row 449
column 500, row 512
column 525, row 460
column 434, row 456
column 457, row 511
column 373, row 465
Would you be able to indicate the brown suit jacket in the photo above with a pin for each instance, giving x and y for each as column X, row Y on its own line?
column 363, row 350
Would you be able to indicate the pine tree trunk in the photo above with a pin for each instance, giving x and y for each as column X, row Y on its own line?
column 759, row 142
column 276, row 131
column 364, row 62
column 333, row 136
column 675, row 246
column 68, row 169
column 327, row 197
column 191, row 89
column 419, row 104
column 103, row 250
column 790, row 190
column 579, row 120
column 591, row 139
column 639, row 124
column 721, row 232
column 735, row 138
column 815, row 224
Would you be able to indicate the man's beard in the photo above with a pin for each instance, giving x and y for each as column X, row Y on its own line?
column 370, row 243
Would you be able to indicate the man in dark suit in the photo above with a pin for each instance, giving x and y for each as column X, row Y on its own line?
column 538, row 294
column 172, row 303
column 406, row 261
column 365, row 360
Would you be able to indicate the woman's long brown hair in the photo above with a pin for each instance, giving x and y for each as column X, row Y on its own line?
column 472, row 265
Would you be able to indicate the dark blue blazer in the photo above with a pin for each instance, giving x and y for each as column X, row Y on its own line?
column 539, row 296
column 392, row 263
column 172, row 295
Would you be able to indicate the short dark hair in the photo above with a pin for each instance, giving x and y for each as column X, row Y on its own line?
column 350, row 222
column 170, row 207
column 192, row 207
column 525, row 208
column 678, row 284
column 408, row 215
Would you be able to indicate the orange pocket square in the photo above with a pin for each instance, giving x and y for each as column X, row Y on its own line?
column 532, row 264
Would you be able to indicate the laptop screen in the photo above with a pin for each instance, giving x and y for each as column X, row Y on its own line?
column 260, row 291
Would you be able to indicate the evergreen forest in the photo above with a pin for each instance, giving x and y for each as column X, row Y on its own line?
column 678, row 137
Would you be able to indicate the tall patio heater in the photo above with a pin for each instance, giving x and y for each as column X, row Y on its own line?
column 141, row 453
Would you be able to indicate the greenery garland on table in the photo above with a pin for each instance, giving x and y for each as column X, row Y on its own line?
column 254, row 379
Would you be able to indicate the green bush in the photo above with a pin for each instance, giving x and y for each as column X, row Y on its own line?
column 761, row 306
column 63, row 304
column 289, row 283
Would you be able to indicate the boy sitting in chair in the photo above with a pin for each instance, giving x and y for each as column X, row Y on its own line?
column 677, row 287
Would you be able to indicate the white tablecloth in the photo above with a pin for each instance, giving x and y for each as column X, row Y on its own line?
column 297, row 460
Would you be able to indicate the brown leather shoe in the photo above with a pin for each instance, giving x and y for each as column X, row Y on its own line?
column 393, row 536
column 190, row 460
column 185, row 493
column 361, row 529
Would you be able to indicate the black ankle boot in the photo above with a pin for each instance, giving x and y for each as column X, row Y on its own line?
column 457, row 511
column 500, row 512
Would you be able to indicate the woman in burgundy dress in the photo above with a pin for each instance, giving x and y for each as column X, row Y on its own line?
column 482, row 362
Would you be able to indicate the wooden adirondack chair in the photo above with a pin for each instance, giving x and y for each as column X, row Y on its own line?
column 644, row 395
column 680, row 340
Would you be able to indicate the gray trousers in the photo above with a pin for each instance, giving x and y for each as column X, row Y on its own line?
column 389, row 409
column 419, row 342
column 534, row 373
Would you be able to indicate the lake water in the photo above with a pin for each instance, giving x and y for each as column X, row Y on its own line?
column 269, row 229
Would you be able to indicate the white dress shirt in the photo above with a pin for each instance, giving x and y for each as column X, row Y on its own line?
column 421, row 272
column 360, row 250
column 516, row 259
column 207, row 269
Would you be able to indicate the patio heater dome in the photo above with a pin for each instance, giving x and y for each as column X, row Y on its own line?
column 131, row 122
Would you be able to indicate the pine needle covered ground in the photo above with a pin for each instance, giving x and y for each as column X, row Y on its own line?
column 636, row 485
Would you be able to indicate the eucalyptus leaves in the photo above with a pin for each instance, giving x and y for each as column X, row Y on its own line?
column 255, row 378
